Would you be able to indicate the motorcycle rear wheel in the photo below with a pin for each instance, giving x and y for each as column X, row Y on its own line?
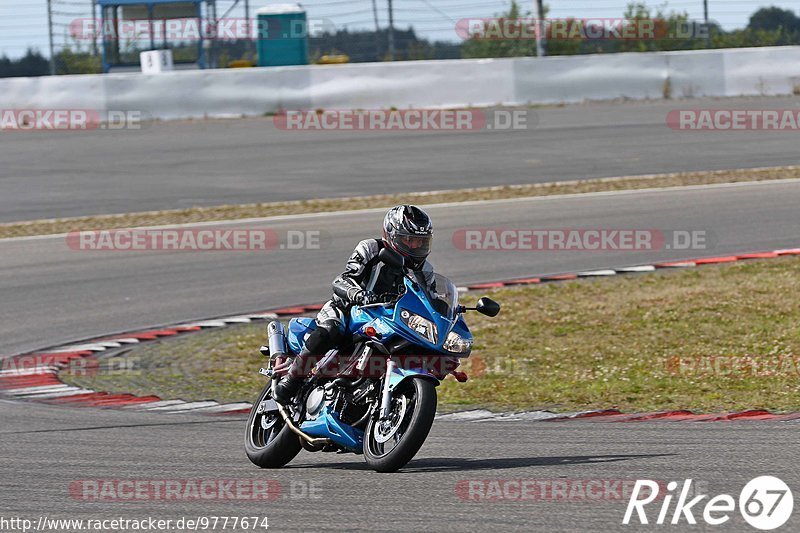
column 268, row 441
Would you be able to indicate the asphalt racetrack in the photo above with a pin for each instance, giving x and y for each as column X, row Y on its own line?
column 51, row 294
column 200, row 163
column 338, row 492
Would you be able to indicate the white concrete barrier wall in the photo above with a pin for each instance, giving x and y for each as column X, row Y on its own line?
column 748, row 72
column 53, row 92
column 590, row 77
column 200, row 93
column 452, row 83
column 695, row 75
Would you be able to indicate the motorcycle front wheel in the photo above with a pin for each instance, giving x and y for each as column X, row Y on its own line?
column 390, row 444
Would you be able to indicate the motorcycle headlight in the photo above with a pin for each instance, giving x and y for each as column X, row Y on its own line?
column 456, row 343
column 420, row 325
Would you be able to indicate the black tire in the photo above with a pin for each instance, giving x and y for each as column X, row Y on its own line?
column 416, row 425
column 273, row 447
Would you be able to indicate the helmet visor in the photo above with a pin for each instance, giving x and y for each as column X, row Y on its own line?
column 416, row 246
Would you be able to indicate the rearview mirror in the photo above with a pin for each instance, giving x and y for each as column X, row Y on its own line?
column 391, row 258
column 487, row 306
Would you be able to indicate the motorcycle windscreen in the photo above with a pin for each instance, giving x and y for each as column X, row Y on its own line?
column 441, row 293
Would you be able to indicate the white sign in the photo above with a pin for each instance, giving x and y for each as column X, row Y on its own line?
column 156, row 61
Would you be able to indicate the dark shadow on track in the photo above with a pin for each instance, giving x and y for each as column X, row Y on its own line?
column 454, row 464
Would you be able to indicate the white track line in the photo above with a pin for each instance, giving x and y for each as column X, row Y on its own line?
column 237, row 320
column 96, row 347
column 150, row 405
column 36, row 371
column 476, row 414
column 641, row 268
column 186, row 406
column 110, row 344
column 51, row 390
column 31, row 390
column 60, row 394
column 591, row 273
column 223, row 408
column 206, row 324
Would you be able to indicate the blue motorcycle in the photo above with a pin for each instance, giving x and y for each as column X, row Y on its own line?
column 376, row 393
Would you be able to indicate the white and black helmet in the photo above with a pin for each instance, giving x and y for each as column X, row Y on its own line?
column 408, row 230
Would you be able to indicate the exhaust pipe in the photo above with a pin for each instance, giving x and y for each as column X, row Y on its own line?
column 308, row 438
column 277, row 339
column 277, row 348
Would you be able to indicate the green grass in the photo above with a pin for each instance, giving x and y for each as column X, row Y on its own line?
column 586, row 344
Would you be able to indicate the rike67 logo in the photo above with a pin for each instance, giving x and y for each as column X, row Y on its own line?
column 765, row 503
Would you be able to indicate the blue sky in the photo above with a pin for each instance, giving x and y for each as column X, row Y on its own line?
column 24, row 23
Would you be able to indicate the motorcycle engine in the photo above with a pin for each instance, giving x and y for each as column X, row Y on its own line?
column 315, row 401
column 351, row 405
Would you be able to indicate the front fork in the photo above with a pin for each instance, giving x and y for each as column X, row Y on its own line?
column 395, row 375
column 386, row 394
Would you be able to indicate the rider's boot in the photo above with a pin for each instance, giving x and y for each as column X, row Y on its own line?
column 322, row 339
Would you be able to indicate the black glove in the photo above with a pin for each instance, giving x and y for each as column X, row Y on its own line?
column 363, row 297
column 388, row 297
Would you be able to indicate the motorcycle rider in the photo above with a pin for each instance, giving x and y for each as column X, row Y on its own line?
column 407, row 229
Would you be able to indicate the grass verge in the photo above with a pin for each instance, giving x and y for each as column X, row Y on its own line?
column 715, row 338
column 238, row 212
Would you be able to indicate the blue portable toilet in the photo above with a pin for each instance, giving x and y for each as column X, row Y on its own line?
column 282, row 35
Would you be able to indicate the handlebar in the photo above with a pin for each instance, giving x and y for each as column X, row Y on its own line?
column 379, row 304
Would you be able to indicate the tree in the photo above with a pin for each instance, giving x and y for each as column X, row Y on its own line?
column 774, row 18
column 31, row 64
column 670, row 31
column 363, row 46
column 493, row 38
column 77, row 62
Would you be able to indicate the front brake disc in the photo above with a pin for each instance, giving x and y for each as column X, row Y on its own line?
column 385, row 430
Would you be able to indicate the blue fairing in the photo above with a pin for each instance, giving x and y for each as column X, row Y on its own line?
column 388, row 323
column 399, row 375
column 328, row 425
column 298, row 329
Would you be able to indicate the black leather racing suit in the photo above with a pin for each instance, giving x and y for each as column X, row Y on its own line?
column 363, row 272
